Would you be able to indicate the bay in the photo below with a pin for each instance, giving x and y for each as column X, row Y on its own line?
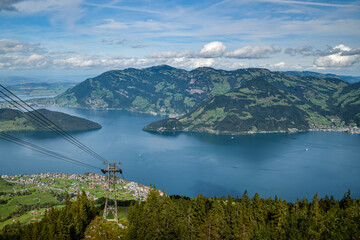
column 289, row 165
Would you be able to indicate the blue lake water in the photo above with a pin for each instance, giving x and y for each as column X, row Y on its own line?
column 290, row 166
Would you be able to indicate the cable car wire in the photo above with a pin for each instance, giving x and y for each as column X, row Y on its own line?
column 43, row 120
column 38, row 120
column 42, row 150
column 47, row 123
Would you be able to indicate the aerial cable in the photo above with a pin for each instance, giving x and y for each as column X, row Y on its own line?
column 42, row 122
column 50, row 125
column 42, row 150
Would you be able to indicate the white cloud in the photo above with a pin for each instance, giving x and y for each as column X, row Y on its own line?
column 21, row 55
column 35, row 57
column 23, row 62
column 342, row 47
column 302, row 50
column 13, row 46
column 76, row 61
column 336, row 60
column 253, row 52
column 279, row 65
column 355, row 51
column 213, row 49
column 308, row 51
column 339, row 57
column 192, row 63
column 173, row 54
column 218, row 49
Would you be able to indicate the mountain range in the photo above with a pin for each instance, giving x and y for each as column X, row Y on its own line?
column 218, row 101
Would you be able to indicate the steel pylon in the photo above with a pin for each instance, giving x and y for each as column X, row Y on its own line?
column 110, row 202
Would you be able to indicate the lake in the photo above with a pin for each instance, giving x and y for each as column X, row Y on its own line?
column 289, row 165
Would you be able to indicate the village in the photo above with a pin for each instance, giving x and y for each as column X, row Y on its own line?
column 94, row 185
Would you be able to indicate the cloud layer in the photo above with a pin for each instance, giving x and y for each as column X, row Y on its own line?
column 253, row 52
column 217, row 49
column 8, row 46
column 339, row 56
column 22, row 55
column 87, row 34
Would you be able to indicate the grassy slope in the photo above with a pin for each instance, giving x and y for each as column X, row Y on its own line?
column 257, row 106
column 348, row 104
column 300, row 102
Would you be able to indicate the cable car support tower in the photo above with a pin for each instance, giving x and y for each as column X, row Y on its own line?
column 110, row 202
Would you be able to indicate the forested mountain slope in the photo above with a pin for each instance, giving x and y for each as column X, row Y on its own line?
column 307, row 102
column 257, row 105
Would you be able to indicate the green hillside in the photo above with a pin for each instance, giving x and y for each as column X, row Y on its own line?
column 161, row 89
column 274, row 102
column 256, row 106
column 14, row 120
column 348, row 104
column 212, row 100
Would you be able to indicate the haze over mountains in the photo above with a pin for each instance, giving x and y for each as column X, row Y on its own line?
column 219, row 101
column 349, row 79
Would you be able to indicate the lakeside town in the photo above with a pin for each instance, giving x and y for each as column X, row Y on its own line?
column 93, row 184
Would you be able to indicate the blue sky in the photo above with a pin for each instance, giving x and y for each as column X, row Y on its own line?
column 81, row 37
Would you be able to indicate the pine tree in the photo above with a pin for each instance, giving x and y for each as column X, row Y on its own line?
column 215, row 223
column 197, row 216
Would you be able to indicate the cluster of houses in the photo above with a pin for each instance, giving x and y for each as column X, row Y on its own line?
column 92, row 180
column 325, row 128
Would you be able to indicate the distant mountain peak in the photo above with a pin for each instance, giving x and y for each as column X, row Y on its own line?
column 162, row 67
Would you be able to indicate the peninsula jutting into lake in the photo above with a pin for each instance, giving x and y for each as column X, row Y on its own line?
column 241, row 101
column 12, row 120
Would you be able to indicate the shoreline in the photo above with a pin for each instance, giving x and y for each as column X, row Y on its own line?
column 350, row 130
column 213, row 132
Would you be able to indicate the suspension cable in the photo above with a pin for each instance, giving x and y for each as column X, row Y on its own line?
column 42, row 150
column 43, row 120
